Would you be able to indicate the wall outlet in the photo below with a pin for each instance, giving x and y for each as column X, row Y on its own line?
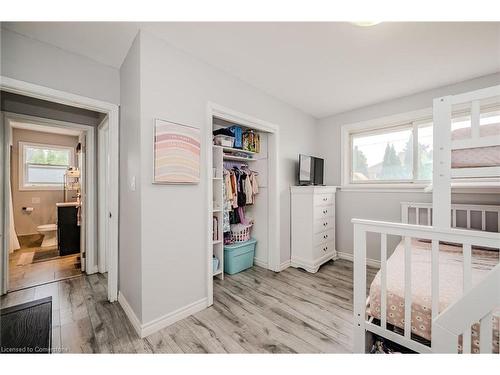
column 35, row 200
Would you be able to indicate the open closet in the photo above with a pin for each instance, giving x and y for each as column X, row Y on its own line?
column 243, row 192
column 240, row 194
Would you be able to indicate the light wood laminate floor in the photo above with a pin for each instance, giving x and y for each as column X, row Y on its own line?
column 32, row 274
column 255, row 311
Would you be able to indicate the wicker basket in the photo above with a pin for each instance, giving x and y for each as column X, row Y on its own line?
column 240, row 232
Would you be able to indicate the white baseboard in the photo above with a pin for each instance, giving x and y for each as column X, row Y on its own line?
column 130, row 313
column 284, row 265
column 260, row 263
column 348, row 256
column 90, row 271
column 147, row 329
column 265, row 265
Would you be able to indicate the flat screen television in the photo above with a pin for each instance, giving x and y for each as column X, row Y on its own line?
column 310, row 170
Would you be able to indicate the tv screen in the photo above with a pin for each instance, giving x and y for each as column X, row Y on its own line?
column 310, row 170
column 305, row 170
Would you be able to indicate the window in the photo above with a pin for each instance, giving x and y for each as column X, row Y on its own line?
column 387, row 155
column 402, row 154
column 42, row 167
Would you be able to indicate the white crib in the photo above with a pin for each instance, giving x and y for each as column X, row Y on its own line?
column 469, row 225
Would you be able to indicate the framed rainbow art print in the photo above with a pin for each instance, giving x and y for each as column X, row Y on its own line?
column 176, row 153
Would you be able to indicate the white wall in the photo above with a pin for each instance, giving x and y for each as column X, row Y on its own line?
column 367, row 205
column 177, row 87
column 130, row 223
column 40, row 63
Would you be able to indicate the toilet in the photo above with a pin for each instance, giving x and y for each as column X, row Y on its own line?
column 49, row 234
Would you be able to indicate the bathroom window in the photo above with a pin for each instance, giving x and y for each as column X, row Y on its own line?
column 42, row 167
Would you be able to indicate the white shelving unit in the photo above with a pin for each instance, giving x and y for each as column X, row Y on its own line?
column 217, row 208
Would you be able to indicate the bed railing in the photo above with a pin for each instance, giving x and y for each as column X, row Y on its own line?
column 477, row 216
column 477, row 305
column 466, row 238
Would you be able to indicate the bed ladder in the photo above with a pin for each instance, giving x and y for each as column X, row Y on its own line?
column 476, row 305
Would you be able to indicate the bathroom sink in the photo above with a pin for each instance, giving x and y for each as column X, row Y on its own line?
column 67, row 204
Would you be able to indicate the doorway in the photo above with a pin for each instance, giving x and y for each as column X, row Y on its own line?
column 89, row 210
column 46, row 166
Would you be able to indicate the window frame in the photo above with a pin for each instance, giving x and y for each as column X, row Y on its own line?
column 22, row 171
column 412, row 119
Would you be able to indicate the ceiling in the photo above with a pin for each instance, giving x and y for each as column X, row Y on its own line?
column 319, row 68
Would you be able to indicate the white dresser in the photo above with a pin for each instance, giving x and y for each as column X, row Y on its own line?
column 312, row 226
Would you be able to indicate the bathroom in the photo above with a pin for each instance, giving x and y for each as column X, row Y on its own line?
column 44, row 193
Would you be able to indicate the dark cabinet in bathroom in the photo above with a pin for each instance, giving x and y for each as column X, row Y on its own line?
column 68, row 231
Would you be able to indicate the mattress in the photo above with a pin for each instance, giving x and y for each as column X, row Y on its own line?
column 480, row 156
column 450, row 286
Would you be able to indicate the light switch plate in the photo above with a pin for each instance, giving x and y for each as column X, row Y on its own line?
column 35, row 200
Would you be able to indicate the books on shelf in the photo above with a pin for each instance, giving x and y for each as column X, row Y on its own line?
column 215, row 226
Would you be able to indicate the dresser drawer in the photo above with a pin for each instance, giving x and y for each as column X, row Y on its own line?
column 321, row 212
column 324, row 199
column 323, row 237
column 323, row 249
column 323, row 224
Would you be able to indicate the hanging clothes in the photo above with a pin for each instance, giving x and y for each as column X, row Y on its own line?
column 242, row 198
column 234, row 189
column 239, row 189
column 227, row 194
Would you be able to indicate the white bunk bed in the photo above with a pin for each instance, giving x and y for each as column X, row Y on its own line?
column 444, row 276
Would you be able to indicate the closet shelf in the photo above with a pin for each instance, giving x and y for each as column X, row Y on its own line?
column 232, row 149
column 238, row 158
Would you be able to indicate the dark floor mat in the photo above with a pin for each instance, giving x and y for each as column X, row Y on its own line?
column 43, row 255
column 27, row 328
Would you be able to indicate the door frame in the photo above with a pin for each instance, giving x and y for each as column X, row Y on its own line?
column 274, row 243
column 112, row 112
column 103, row 194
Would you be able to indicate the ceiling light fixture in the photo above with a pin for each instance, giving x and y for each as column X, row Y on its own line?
column 366, row 23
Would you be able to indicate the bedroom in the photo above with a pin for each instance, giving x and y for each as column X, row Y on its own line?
column 388, row 170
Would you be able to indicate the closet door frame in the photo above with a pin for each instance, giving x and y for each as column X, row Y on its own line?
column 273, row 255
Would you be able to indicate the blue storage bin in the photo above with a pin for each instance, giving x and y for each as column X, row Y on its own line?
column 239, row 256
column 215, row 264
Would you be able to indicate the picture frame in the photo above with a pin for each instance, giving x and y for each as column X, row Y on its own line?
column 176, row 153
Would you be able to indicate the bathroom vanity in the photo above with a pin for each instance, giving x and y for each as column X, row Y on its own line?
column 68, row 230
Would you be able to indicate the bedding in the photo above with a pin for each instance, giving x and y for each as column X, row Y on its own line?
column 450, row 286
column 479, row 156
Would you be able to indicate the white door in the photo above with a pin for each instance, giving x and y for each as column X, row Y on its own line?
column 81, row 166
column 104, row 184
